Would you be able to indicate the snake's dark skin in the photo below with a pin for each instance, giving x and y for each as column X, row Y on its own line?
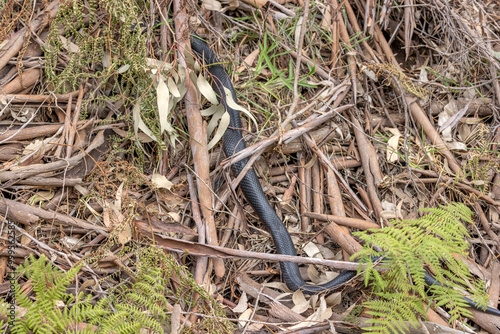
column 233, row 143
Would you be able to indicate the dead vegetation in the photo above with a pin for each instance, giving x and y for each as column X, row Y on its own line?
column 98, row 150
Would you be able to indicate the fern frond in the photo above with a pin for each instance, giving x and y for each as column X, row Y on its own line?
column 432, row 241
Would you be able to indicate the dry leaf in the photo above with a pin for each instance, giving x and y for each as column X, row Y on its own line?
column 41, row 197
column 300, row 302
column 392, row 145
column 334, row 299
column 231, row 103
column 249, row 60
column 244, row 316
column 173, row 87
column 223, row 125
column 37, row 145
column 212, row 5
column 423, row 75
column 83, row 191
column 205, row 89
column 242, row 304
column 389, row 210
column 23, row 115
column 214, row 108
column 233, row 4
column 139, row 123
column 141, row 137
column 163, row 99
column 216, row 117
column 312, row 250
column 123, row 68
column 69, row 46
column 175, row 216
column 72, row 242
column 457, row 146
column 160, row 181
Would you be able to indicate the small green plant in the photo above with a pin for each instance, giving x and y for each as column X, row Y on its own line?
column 130, row 308
column 47, row 311
column 436, row 241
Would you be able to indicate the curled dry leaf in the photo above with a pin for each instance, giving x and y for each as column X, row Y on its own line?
column 300, row 302
column 242, row 304
column 160, row 181
column 39, row 146
column 231, row 103
column 72, row 242
column 212, row 5
column 392, row 145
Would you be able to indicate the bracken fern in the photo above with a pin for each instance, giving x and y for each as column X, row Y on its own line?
column 437, row 241
column 130, row 308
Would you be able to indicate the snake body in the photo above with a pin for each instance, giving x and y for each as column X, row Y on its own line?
column 233, row 143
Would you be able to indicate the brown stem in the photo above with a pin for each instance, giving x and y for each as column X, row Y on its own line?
column 197, row 132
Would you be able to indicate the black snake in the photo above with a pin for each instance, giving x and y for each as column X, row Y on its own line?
column 233, row 143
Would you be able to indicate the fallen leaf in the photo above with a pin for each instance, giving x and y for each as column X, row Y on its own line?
column 242, row 304
column 223, row 125
column 249, row 60
column 212, row 5
column 139, row 123
column 300, row 302
column 160, row 181
column 205, row 89
column 392, row 146
column 68, row 45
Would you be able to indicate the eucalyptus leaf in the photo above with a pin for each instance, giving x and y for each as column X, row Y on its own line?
column 173, row 87
column 211, row 110
column 139, row 123
column 163, row 99
column 231, row 103
column 224, row 123
column 215, row 118
column 206, row 89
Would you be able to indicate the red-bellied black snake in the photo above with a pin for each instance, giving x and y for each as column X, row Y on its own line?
column 233, row 143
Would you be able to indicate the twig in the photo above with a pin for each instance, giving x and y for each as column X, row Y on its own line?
column 197, row 132
column 296, row 73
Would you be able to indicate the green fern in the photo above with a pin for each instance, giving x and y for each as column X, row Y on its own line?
column 139, row 307
column 44, row 314
column 432, row 241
